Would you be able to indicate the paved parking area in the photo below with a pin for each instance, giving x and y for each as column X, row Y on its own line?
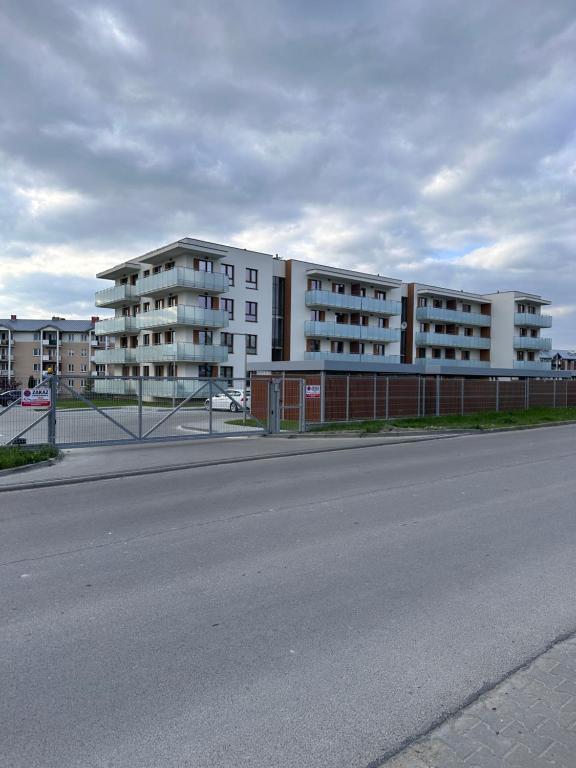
column 528, row 721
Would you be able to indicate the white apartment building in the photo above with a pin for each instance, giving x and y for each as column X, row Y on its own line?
column 200, row 309
column 519, row 320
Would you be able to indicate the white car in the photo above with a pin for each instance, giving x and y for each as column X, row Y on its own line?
column 233, row 400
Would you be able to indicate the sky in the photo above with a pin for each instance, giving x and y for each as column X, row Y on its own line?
column 429, row 140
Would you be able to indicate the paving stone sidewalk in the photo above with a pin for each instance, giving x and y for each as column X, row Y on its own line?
column 528, row 721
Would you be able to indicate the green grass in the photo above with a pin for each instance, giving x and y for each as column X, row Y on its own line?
column 487, row 420
column 118, row 402
column 289, row 426
column 16, row 456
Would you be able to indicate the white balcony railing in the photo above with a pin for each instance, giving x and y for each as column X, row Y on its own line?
column 119, row 355
column 182, row 351
column 346, row 357
column 116, row 296
column 453, row 316
column 385, row 307
column 530, row 320
column 451, row 340
column 115, row 325
column 530, row 342
column 330, row 330
column 183, row 278
column 184, row 315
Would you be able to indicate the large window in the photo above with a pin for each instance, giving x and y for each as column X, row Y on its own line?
column 227, row 340
column 205, row 337
column 228, row 269
column 251, row 312
column 251, row 278
column 205, row 266
column 228, row 306
column 251, row 344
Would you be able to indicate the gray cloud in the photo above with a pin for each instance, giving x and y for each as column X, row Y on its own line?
column 429, row 141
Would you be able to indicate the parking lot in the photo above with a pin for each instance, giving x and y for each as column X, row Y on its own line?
column 87, row 425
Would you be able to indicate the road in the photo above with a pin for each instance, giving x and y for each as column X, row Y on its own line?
column 308, row 611
column 83, row 425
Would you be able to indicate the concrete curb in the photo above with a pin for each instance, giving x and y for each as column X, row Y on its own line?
column 210, row 463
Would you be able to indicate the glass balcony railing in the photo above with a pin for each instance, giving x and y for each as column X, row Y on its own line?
column 451, row 340
column 184, row 315
column 529, row 342
column 116, row 296
column 345, row 357
column 183, row 278
column 539, row 365
column 115, row 325
column 532, row 321
column 120, row 355
column 332, row 300
column 116, row 387
column 182, row 351
column 456, row 317
column 456, row 363
column 355, row 332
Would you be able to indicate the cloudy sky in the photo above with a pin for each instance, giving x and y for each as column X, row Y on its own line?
column 431, row 140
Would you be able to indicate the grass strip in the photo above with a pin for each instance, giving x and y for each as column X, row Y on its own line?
column 16, row 456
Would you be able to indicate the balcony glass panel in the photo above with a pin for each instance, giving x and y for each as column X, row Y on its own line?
column 350, row 358
column 182, row 351
column 355, row 332
column 114, row 325
column 183, row 278
column 118, row 294
column 540, row 365
column 355, row 303
column 532, row 321
column 451, row 340
column 528, row 342
column 453, row 316
column 118, row 355
column 184, row 315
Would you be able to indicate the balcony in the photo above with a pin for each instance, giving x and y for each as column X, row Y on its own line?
column 184, row 315
column 182, row 351
column 51, row 342
column 529, row 342
column 457, row 363
column 177, row 388
column 117, row 325
column 538, row 365
column 453, row 316
column 182, row 278
column 354, row 332
column 532, row 321
column 120, row 355
column 350, row 358
column 117, row 296
column 116, row 387
column 451, row 340
column 386, row 308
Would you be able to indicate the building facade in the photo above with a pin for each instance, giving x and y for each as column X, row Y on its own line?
column 29, row 349
column 198, row 309
column 560, row 359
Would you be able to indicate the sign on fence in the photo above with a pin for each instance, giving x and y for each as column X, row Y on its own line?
column 312, row 390
column 38, row 397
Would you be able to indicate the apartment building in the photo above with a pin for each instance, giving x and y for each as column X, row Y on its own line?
column 559, row 359
column 447, row 327
column 199, row 309
column 30, row 348
column 519, row 321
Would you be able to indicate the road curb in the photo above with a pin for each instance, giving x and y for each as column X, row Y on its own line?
column 210, row 463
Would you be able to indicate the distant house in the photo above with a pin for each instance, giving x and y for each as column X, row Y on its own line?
column 560, row 359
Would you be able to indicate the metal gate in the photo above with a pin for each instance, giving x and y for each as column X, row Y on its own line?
column 124, row 409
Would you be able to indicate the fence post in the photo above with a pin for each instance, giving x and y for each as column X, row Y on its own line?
column 419, row 394
column 140, row 407
column 374, row 397
column 302, row 419
column 554, row 388
column 322, row 397
column 347, row 397
column 462, row 397
column 497, row 395
column 526, row 393
column 52, row 411
column 387, row 397
column 437, row 395
column 210, row 408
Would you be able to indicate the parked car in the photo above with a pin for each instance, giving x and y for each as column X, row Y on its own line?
column 232, row 400
column 9, row 397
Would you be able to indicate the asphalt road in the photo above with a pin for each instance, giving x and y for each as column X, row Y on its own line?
column 307, row 611
column 83, row 425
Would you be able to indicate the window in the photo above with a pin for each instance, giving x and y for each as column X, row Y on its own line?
column 36, row 367
column 382, row 322
column 70, row 367
column 437, row 304
column 380, row 295
column 159, row 371
column 172, row 301
column 466, row 308
column 314, row 285
column 227, row 372
column 83, row 368
column 84, row 337
column 227, row 340
column 421, row 353
column 317, row 315
column 204, row 301
column 146, row 273
column 450, row 354
column 520, row 356
column 337, row 347
column 251, row 312
column 37, row 336
column 157, row 269
column 342, row 318
column 156, row 338
column 228, row 269
column 70, row 382
column 422, row 302
column 205, row 371
column 437, row 354
column 169, row 265
column 251, row 278
column 468, row 332
column 159, row 304
column 146, row 370
column 70, row 353
column 146, row 340
column 146, row 306
column 203, row 265
column 228, row 306
column 313, row 345
column 82, row 382
column 168, row 337
column 338, row 288
column 83, row 353
column 379, row 349
column 465, row 354
column 251, row 344
column 70, row 337
column 204, row 337
column 36, row 352
column 521, row 308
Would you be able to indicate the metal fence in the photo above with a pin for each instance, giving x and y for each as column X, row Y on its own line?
column 109, row 410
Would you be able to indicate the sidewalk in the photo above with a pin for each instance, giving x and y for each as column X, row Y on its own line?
column 134, row 458
column 528, row 721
